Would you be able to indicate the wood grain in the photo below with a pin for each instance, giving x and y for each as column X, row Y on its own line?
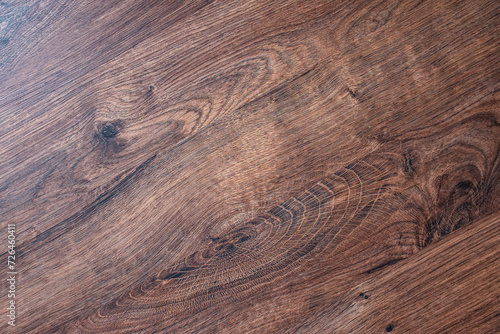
column 251, row 166
column 451, row 287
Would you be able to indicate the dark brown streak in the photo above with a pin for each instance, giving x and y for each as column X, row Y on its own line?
column 66, row 225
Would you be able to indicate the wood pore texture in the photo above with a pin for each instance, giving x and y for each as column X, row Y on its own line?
column 200, row 166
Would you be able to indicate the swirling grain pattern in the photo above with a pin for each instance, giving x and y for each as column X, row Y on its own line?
column 250, row 166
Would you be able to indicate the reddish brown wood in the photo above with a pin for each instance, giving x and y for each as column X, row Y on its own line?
column 250, row 166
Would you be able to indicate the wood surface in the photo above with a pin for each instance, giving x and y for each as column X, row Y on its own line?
column 194, row 166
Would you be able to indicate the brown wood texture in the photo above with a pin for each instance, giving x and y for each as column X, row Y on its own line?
column 251, row 166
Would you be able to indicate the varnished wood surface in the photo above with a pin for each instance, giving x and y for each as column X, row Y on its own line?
column 251, row 166
column 450, row 287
